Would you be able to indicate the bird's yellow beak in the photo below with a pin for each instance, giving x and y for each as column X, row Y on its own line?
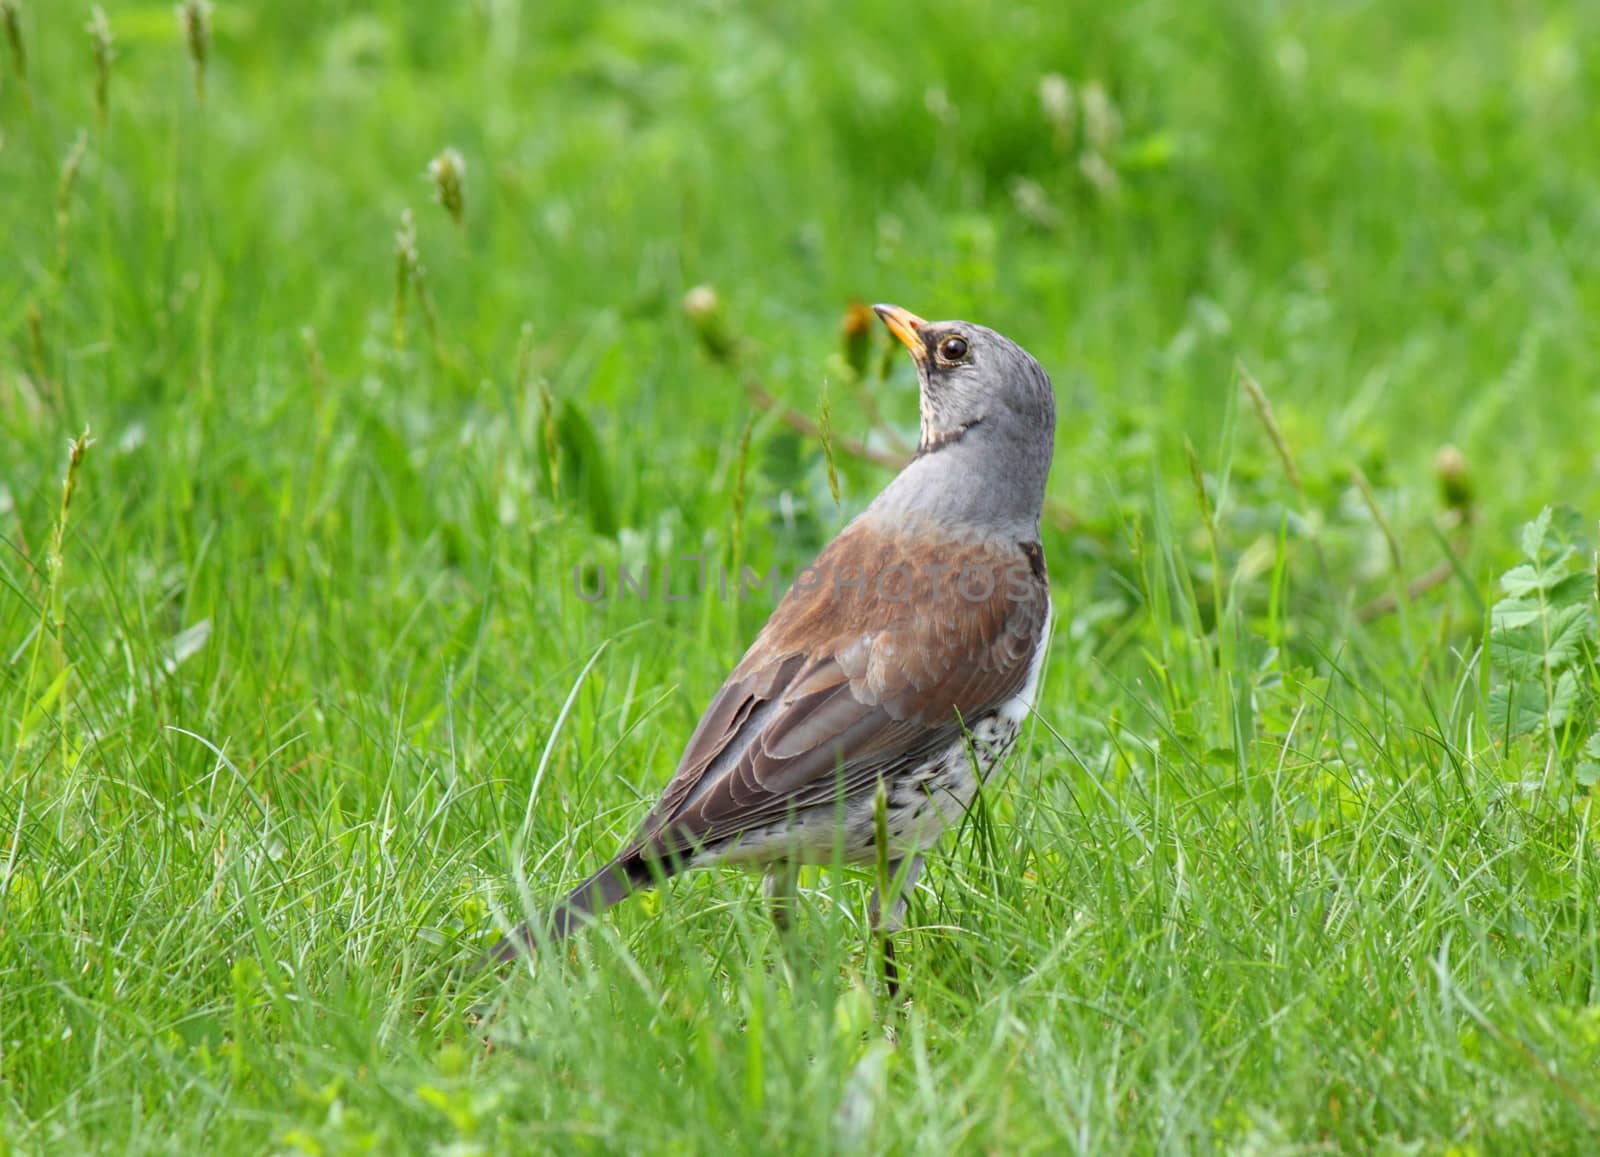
column 906, row 326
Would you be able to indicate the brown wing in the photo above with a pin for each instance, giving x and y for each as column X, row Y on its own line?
column 870, row 663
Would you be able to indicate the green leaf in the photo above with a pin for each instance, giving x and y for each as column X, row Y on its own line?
column 1566, row 632
column 1568, row 525
column 1514, row 615
column 1533, row 578
column 1522, row 707
column 1525, row 579
column 1533, row 535
column 1575, row 590
column 1589, row 766
column 1544, row 640
column 1518, row 708
column 1541, row 636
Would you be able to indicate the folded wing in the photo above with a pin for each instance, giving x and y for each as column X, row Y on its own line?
column 872, row 669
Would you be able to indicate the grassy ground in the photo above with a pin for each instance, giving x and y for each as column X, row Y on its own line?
column 303, row 705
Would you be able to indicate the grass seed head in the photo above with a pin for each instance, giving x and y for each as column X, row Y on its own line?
column 1102, row 123
column 937, row 101
column 825, row 432
column 448, row 171
column 11, row 16
column 701, row 303
column 1098, row 172
column 71, row 165
column 856, row 330
column 411, row 273
column 703, row 308
column 1033, row 203
column 1060, row 107
column 194, row 18
column 1455, row 483
column 105, row 51
column 1056, row 98
column 76, row 450
column 69, row 179
column 1269, row 422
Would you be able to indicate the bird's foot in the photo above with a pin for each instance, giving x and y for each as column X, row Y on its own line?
column 891, row 969
column 887, row 919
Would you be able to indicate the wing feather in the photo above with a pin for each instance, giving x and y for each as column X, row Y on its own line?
column 844, row 687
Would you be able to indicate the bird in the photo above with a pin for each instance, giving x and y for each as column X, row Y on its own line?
column 892, row 675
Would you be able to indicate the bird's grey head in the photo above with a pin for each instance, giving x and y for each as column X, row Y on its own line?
column 988, row 421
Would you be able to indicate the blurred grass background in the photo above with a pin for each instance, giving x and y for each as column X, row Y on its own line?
column 323, row 709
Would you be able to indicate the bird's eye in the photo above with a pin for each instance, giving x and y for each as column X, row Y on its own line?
column 953, row 349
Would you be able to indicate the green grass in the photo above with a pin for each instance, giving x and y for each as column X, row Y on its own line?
column 1268, row 874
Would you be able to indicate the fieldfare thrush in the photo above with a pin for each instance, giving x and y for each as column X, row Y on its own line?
column 903, row 661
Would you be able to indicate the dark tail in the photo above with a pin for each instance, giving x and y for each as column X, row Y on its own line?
column 615, row 882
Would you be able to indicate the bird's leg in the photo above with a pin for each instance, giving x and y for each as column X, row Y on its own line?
column 780, row 886
column 891, row 918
